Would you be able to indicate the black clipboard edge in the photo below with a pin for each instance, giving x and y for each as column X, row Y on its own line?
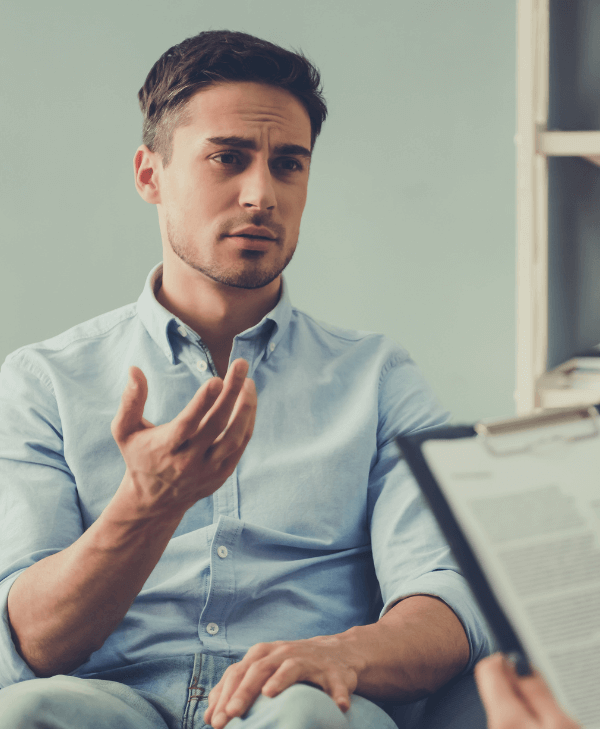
column 410, row 446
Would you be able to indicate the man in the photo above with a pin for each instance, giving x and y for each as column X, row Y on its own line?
column 196, row 554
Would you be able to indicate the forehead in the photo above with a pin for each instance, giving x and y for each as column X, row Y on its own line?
column 243, row 109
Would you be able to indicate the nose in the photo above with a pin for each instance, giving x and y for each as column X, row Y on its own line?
column 257, row 190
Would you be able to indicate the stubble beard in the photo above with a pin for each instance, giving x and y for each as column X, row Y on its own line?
column 251, row 276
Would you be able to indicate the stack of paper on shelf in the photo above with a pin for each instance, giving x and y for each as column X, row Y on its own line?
column 575, row 382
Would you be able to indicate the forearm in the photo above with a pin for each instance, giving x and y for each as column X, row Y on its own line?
column 64, row 607
column 417, row 647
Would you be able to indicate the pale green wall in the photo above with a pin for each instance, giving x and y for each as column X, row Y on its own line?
column 409, row 228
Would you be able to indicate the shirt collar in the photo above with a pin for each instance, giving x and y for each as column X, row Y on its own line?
column 161, row 324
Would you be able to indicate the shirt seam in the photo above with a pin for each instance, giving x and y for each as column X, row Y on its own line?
column 395, row 359
column 20, row 359
column 81, row 338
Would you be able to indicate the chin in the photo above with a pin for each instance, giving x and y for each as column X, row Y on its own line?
column 246, row 279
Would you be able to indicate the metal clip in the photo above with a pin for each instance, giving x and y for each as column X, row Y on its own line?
column 549, row 418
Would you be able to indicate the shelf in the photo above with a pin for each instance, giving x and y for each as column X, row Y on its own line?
column 558, row 198
column 569, row 144
column 565, row 397
column 575, row 382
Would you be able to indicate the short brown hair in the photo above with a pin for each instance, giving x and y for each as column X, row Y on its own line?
column 215, row 56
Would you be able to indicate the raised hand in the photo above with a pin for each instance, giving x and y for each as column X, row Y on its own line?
column 171, row 466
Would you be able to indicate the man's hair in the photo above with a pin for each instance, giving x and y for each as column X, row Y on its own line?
column 217, row 56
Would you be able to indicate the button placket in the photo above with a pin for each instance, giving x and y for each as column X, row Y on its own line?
column 221, row 596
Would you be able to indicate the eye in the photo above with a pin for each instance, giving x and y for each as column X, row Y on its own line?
column 228, row 158
column 289, row 164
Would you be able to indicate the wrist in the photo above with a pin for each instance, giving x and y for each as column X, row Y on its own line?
column 353, row 648
column 129, row 516
column 139, row 501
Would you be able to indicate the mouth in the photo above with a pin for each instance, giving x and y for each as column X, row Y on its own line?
column 254, row 233
column 247, row 242
column 251, row 237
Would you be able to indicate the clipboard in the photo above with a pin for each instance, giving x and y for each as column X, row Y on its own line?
column 538, row 442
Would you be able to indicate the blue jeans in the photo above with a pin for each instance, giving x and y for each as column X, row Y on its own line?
column 171, row 693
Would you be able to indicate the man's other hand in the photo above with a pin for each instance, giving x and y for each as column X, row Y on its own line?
column 517, row 702
column 171, row 466
column 270, row 668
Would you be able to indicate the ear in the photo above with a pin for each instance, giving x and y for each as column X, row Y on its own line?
column 146, row 169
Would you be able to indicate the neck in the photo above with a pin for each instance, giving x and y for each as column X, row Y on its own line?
column 213, row 310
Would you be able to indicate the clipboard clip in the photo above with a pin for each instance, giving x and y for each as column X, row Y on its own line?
column 538, row 431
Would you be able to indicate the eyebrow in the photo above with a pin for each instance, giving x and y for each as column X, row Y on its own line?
column 244, row 143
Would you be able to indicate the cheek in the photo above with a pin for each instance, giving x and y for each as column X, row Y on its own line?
column 189, row 188
column 293, row 206
column 198, row 203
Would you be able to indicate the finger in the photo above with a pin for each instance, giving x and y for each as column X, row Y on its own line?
column 539, row 697
column 230, row 681
column 339, row 693
column 249, row 688
column 129, row 416
column 236, row 435
column 217, row 418
column 288, row 673
column 258, row 651
column 228, row 464
column 213, row 698
column 186, row 423
column 291, row 672
column 499, row 694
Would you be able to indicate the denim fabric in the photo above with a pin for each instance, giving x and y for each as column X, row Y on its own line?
column 169, row 694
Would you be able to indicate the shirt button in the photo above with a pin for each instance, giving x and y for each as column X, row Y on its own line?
column 212, row 628
column 201, row 365
column 182, row 331
column 222, row 551
column 272, row 346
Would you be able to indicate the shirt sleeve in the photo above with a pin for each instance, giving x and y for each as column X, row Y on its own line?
column 38, row 496
column 410, row 553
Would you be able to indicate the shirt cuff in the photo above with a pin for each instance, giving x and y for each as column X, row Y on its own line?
column 13, row 668
column 451, row 588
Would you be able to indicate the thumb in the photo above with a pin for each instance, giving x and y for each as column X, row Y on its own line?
column 131, row 410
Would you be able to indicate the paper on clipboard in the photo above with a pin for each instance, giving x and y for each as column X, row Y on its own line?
column 528, row 500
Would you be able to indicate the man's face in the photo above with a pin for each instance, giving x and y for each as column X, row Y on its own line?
column 232, row 197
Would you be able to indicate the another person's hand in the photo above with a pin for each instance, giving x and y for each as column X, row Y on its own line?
column 171, row 466
column 517, row 702
column 270, row 668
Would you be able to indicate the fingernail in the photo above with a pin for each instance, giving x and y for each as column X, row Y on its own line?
column 219, row 721
column 235, row 706
column 518, row 663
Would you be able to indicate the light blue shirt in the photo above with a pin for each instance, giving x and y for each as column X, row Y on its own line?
column 317, row 517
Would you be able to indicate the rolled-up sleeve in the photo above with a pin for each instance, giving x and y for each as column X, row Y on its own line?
column 39, row 506
column 410, row 553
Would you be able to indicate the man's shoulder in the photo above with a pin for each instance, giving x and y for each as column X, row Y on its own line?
column 75, row 338
column 343, row 338
column 404, row 399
